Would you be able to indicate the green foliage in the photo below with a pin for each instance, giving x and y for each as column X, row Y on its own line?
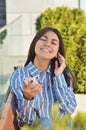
column 66, row 123
column 80, row 121
column 72, row 25
column 3, row 36
column 26, row 127
column 60, row 124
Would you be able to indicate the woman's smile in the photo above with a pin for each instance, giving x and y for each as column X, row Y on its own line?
column 47, row 50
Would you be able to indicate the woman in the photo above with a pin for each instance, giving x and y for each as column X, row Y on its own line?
column 54, row 82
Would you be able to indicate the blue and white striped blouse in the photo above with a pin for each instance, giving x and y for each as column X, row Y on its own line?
column 42, row 104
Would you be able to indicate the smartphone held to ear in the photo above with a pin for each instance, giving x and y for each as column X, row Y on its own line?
column 32, row 80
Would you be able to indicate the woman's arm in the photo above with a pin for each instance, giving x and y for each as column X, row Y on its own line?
column 64, row 95
column 16, row 86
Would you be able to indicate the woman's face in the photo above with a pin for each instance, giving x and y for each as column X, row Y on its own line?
column 47, row 46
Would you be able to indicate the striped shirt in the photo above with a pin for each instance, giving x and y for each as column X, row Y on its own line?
column 42, row 104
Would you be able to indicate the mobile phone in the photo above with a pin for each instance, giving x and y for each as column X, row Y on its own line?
column 31, row 79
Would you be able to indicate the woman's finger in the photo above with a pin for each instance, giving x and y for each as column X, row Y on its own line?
column 56, row 65
column 25, row 85
column 38, row 88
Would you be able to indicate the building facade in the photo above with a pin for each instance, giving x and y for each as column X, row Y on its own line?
column 29, row 10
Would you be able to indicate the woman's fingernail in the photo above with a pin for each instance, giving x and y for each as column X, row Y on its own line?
column 40, row 83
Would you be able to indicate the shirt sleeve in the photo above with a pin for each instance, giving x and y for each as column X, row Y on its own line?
column 64, row 95
column 16, row 86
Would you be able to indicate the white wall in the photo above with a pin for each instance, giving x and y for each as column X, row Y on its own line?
column 30, row 9
column 69, row 3
column 81, row 104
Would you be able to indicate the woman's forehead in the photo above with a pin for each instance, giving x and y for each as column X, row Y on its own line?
column 50, row 34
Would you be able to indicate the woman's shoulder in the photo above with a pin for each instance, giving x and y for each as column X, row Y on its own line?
column 20, row 71
column 17, row 70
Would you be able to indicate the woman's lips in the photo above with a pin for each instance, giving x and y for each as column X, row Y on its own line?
column 45, row 50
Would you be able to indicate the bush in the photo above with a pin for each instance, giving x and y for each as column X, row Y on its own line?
column 3, row 36
column 80, row 121
column 72, row 25
column 66, row 123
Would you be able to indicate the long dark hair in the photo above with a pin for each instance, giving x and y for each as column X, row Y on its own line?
column 31, row 54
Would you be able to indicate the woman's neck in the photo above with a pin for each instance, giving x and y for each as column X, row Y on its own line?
column 41, row 64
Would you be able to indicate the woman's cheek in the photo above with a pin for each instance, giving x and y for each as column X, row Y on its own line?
column 55, row 49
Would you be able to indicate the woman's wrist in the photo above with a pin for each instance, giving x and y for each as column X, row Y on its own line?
column 27, row 96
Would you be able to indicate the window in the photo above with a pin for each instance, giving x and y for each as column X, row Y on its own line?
column 2, row 13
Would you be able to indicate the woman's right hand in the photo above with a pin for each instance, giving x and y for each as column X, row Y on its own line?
column 59, row 70
column 29, row 92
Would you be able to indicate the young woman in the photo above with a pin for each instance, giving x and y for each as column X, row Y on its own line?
column 53, row 81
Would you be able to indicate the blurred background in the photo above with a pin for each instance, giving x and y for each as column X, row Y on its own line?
column 21, row 19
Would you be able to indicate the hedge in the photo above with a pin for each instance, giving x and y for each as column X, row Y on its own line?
column 78, row 122
column 72, row 25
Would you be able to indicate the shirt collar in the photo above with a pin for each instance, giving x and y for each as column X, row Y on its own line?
column 34, row 71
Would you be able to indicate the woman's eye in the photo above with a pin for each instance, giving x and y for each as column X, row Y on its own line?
column 54, row 43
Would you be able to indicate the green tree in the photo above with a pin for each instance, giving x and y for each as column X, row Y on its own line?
column 72, row 25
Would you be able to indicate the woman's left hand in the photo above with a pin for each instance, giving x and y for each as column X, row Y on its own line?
column 30, row 92
column 59, row 70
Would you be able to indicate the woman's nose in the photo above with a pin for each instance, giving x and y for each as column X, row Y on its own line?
column 47, row 43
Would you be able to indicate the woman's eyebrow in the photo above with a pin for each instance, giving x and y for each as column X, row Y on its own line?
column 55, row 40
column 45, row 36
column 52, row 39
